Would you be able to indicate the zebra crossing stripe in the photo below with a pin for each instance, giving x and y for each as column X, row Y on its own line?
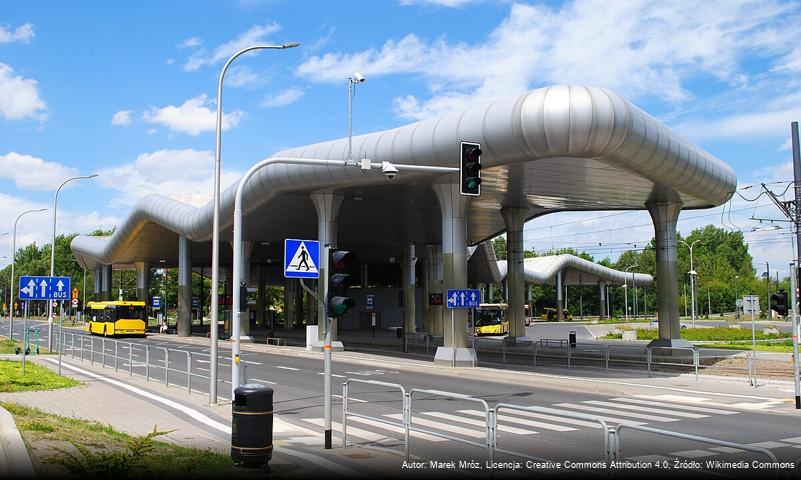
column 535, row 424
column 394, row 429
column 655, row 418
column 602, row 417
column 352, row 431
column 440, row 426
column 670, row 405
column 639, row 408
column 478, row 423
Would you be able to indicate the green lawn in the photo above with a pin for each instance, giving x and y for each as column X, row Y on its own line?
column 8, row 346
column 778, row 347
column 62, row 446
column 723, row 334
column 36, row 377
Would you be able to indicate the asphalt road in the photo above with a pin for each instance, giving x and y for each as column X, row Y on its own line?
column 298, row 381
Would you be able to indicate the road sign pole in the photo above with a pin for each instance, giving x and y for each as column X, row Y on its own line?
column 60, row 337
column 794, row 316
column 453, row 339
column 753, row 338
column 25, row 337
column 326, row 358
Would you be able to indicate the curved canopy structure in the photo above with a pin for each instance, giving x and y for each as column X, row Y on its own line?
column 552, row 149
column 575, row 271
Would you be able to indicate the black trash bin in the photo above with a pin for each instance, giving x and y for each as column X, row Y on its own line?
column 252, row 425
column 399, row 332
column 572, row 338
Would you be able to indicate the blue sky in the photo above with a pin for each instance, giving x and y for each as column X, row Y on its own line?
column 128, row 89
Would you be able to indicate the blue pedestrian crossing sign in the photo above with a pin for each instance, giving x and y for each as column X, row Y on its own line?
column 44, row 288
column 463, row 298
column 301, row 258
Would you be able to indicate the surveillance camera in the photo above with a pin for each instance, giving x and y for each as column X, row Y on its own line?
column 359, row 77
column 389, row 170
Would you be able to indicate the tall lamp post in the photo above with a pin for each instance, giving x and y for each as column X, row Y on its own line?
column 215, row 245
column 692, row 273
column 53, row 254
column 736, row 297
column 625, row 293
column 13, row 258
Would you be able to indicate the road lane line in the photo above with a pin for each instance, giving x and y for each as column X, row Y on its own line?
column 333, row 375
column 351, row 399
column 287, row 368
column 263, row 381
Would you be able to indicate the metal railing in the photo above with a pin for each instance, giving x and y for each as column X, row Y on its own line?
column 610, row 434
column 138, row 357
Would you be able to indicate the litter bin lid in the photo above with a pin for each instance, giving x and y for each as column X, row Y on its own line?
column 253, row 389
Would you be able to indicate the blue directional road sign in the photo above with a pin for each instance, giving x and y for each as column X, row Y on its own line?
column 44, row 288
column 463, row 298
column 301, row 258
column 156, row 303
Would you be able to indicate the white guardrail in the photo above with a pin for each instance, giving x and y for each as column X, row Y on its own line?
column 609, row 443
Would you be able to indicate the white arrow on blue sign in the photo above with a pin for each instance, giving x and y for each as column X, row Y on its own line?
column 44, row 288
column 463, row 298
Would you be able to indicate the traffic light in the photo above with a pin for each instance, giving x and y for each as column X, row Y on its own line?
column 470, row 174
column 778, row 303
column 340, row 263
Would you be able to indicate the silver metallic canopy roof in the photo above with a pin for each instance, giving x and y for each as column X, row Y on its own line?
column 575, row 271
column 552, row 149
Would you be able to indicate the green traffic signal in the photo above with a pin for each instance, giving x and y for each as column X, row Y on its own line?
column 470, row 169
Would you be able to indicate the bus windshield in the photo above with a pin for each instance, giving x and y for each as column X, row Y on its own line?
column 488, row 316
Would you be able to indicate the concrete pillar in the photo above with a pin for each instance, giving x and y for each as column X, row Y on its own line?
column 436, row 310
column 98, row 287
column 664, row 216
column 456, row 350
column 327, row 205
column 428, row 283
column 261, row 302
column 290, row 303
column 602, row 302
column 142, row 281
column 184, row 326
column 527, row 289
column 409, row 275
column 105, row 283
column 560, row 313
column 514, row 219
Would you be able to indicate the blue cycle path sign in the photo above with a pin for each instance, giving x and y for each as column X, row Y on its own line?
column 44, row 288
column 463, row 298
column 301, row 258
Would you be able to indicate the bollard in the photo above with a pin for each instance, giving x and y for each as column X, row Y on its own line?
column 252, row 425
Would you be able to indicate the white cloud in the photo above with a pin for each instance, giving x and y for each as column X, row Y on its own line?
column 193, row 117
column 180, row 174
column 745, row 126
column 239, row 76
column 32, row 173
column 255, row 34
column 32, row 227
column 634, row 47
column 123, row 117
column 287, row 97
column 191, row 42
column 22, row 34
column 439, row 3
column 19, row 97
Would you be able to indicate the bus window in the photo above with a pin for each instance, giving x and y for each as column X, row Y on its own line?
column 130, row 312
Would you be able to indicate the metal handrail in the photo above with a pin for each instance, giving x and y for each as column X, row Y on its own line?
column 608, row 447
column 405, row 411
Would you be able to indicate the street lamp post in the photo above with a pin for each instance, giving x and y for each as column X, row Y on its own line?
column 53, row 256
column 215, row 245
column 625, row 294
column 736, row 297
column 692, row 273
column 352, row 82
column 13, row 258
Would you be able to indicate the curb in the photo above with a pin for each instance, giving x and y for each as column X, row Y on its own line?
column 14, row 459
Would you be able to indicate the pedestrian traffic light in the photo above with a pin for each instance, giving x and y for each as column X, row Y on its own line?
column 778, row 303
column 470, row 173
column 340, row 263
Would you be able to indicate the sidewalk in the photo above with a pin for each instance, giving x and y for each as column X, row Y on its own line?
column 134, row 406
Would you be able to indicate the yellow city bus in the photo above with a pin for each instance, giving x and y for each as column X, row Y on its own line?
column 116, row 318
column 490, row 319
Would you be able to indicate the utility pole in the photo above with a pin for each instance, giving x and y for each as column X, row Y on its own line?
column 793, row 271
column 767, row 286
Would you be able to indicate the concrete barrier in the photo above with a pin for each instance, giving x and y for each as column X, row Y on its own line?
column 14, row 459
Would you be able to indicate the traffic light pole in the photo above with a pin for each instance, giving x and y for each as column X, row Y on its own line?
column 327, row 358
column 794, row 316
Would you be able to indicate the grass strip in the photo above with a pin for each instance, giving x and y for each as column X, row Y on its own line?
column 36, row 377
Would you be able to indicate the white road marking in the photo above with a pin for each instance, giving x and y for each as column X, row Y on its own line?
column 353, row 431
column 351, row 399
column 640, row 408
column 439, row 426
column 477, row 423
column 263, row 381
column 704, row 401
column 691, row 408
column 547, row 426
column 655, row 418
column 792, row 440
column 727, row 449
column 395, row 429
column 250, row 362
column 333, row 375
column 287, row 368
column 768, row 445
column 694, row 454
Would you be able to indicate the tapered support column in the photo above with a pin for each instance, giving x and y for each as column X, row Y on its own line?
column 436, row 310
column 105, row 283
column 184, row 326
column 453, row 206
column 602, row 302
column 428, row 284
column 290, row 303
column 665, row 215
column 327, row 205
column 261, row 303
column 409, row 275
column 142, row 281
column 97, row 292
column 514, row 219
column 560, row 304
